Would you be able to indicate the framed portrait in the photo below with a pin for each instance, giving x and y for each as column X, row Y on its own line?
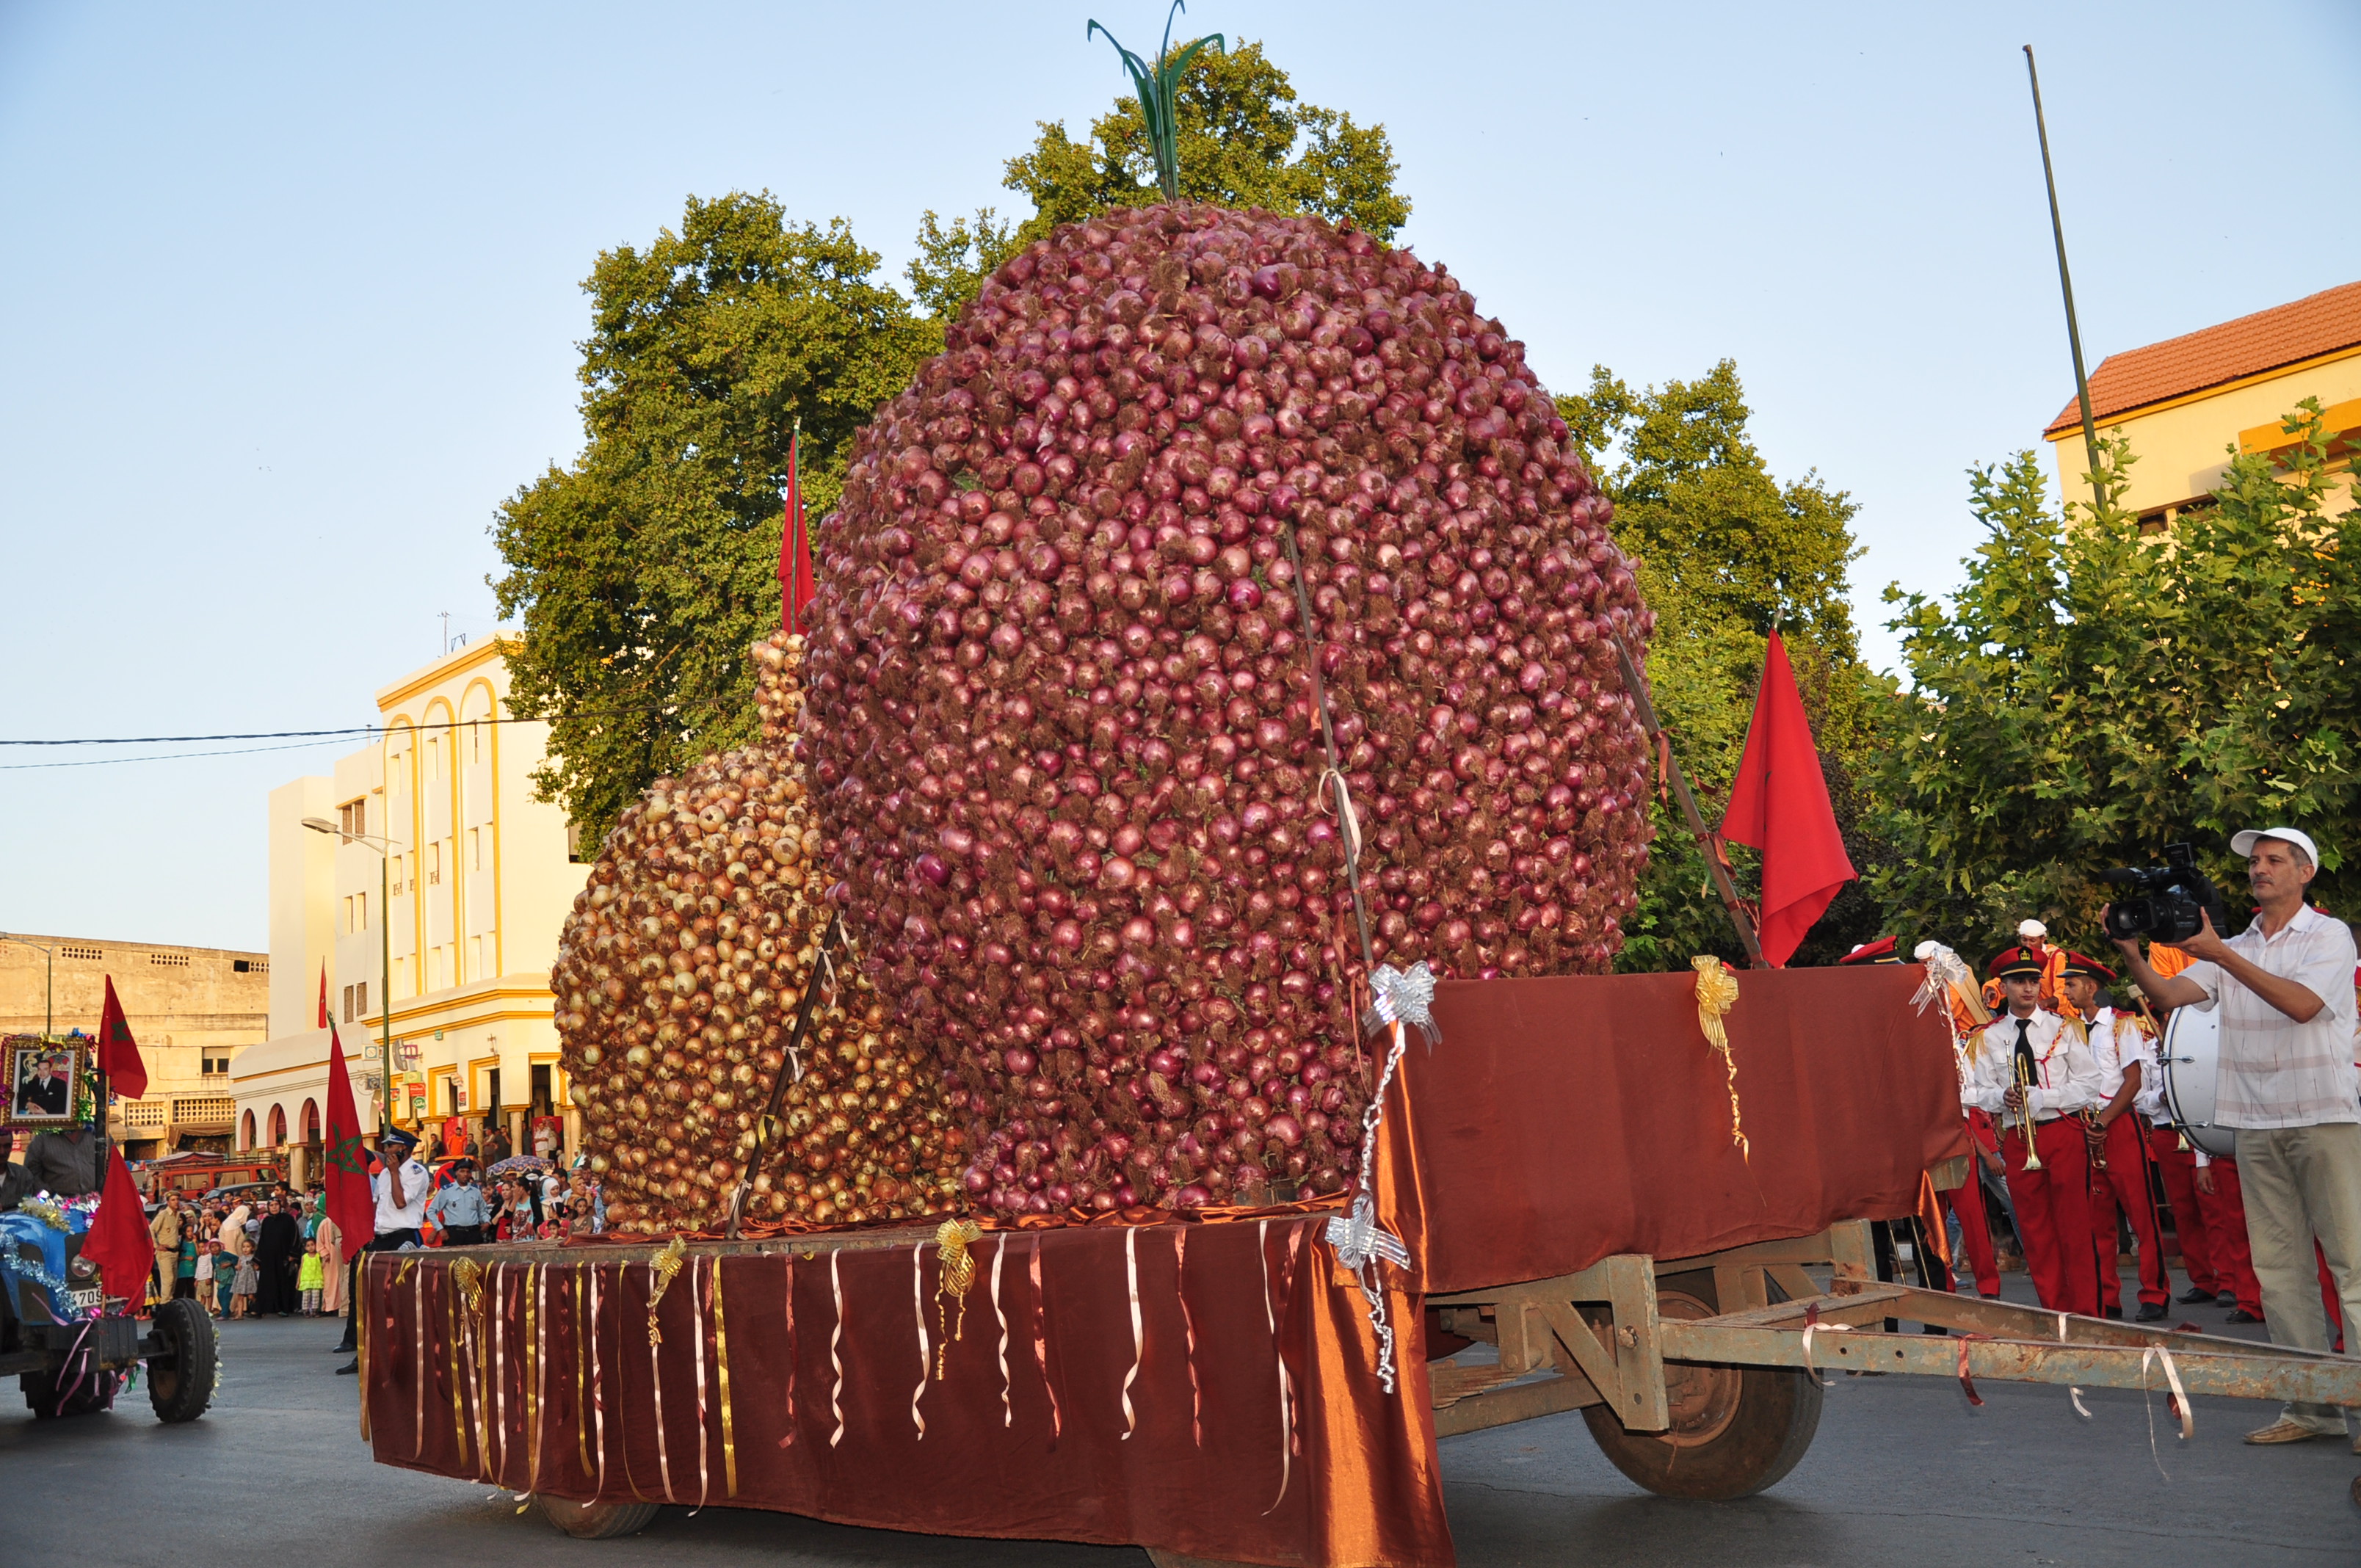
column 40, row 1079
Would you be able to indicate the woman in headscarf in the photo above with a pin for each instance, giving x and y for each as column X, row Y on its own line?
column 277, row 1256
column 232, row 1234
column 330, row 1240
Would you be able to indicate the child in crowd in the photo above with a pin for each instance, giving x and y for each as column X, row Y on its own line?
column 206, row 1294
column 308, row 1280
column 247, row 1280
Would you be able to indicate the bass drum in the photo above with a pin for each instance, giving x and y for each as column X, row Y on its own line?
column 2193, row 1063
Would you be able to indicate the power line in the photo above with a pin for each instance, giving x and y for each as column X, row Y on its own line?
column 367, row 730
column 152, row 756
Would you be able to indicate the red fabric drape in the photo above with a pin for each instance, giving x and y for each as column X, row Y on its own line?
column 1779, row 805
column 118, row 1053
column 797, row 584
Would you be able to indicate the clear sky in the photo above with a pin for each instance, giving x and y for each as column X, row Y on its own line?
column 292, row 291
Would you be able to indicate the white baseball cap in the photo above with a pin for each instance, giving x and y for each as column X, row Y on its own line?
column 2244, row 843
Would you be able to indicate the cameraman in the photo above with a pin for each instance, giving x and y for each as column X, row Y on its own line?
column 2289, row 1086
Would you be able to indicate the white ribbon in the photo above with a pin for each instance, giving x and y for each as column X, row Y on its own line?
column 2072, row 1393
column 2179, row 1400
column 835, row 1337
column 1131, row 1278
column 1360, row 1241
column 926, row 1350
column 1403, row 996
column 1000, row 1310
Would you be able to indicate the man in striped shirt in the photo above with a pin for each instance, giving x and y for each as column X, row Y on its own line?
column 2289, row 1087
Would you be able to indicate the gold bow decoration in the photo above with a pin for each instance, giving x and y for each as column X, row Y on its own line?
column 952, row 1238
column 1717, row 993
column 469, row 1275
column 663, row 1267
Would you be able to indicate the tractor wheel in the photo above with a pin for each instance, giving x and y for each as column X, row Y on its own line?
column 1736, row 1430
column 181, row 1378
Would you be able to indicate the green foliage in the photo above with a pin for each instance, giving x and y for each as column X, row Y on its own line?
column 2092, row 693
column 643, row 572
column 1726, row 553
column 1241, row 139
column 953, row 260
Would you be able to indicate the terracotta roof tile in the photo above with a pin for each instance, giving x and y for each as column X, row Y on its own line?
column 2321, row 323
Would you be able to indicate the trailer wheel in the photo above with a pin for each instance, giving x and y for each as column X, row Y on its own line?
column 1164, row 1559
column 595, row 1521
column 180, row 1380
column 1736, row 1430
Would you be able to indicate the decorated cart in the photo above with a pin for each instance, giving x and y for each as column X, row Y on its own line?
column 1565, row 1174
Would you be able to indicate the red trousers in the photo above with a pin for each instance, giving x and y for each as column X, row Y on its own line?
column 1968, row 1203
column 2053, row 1214
column 2124, row 1186
column 2199, row 1249
column 2225, row 1228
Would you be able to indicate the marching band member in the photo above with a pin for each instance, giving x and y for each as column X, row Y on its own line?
column 2122, row 1052
column 2049, row 1171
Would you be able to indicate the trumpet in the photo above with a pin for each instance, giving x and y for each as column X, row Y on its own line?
column 2025, row 1113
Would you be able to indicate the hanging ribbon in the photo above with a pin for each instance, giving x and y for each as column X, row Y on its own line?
column 495, row 1327
column 536, row 1283
column 789, row 1291
column 1131, row 1283
column 926, row 1352
column 662, row 1268
column 835, row 1338
column 1000, row 1310
column 457, row 1340
column 697, row 1342
column 599, row 1390
column 657, row 1284
column 1042, row 1341
column 2072, row 1393
column 956, row 1274
column 722, row 1368
column 1717, row 992
column 581, row 1373
column 1813, row 1325
column 1188, row 1331
column 1286, row 1384
column 419, row 1365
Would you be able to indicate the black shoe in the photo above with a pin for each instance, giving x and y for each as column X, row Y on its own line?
column 2115, row 1312
column 2240, row 1315
column 2226, row 1299
column 343, row 1347
column 350, row 1369
column 2196, row 1295
column 2150, row 1312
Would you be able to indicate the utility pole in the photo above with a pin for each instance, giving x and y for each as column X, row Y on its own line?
column 2066, row 285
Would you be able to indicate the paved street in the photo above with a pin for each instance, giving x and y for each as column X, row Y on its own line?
column 1904, row 1475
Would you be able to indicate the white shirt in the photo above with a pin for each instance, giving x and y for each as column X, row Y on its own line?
column 2116, row 1042
column 2277, row 1073
column 392, row 1213
column 2068, row 1073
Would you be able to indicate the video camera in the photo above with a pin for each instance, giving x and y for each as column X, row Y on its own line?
column 2173, row 900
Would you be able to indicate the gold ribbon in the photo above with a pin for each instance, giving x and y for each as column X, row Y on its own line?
column 661, row 1270
column 536, row 1285
column 1188, row 1331
column 581, row 1377
column 1131, row 1283
column 469, row 1274
column 496, row 1325
column 418, row 1362
column 1717, row 992
column 952, row 1238
column 919, row 1310
column 1000, row 1310
column 835, row 1337
column 361, row 1325
column 697, row 1338
column 457, row 1342
column 788, row 1441
column 722, row 1368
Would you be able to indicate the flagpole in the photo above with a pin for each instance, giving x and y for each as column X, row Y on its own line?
column 2065, row 283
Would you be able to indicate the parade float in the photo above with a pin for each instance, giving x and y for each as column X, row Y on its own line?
column 1141, row 1010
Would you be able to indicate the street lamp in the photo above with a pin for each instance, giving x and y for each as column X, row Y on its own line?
column 386, row 849
column 50, row 1016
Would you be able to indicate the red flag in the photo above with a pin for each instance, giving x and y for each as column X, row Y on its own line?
column 119, row 1242
column 324, row 998
column 1779, row 805
column 795, row 579
column 118, row 1053
column 350, row 1203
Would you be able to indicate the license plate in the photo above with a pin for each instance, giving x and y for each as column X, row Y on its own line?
column 86, row 1304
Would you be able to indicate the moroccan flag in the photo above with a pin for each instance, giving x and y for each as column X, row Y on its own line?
column 350, row 1203
column 797, row 584
column 1779, row 805
column 118, row 1240
column 118, row 1053
column 324, row 998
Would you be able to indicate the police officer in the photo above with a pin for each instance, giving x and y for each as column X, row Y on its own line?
column 402, row 1189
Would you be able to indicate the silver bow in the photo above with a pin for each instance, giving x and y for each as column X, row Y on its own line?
column 1945, row 969
column 1404, row 997
column 1359, row 1240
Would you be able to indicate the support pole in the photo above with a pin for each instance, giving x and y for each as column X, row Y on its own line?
column 1708, row 841
column 2066, row 285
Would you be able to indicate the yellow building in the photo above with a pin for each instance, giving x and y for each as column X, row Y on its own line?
column 2183, row 402
column 440, row 894
column 193, row 1010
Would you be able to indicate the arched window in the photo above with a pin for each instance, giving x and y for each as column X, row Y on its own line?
column 245, row 1131
column 278, row 1126
column 311, row 1121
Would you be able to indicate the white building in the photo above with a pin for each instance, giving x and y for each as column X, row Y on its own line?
column 434, row 909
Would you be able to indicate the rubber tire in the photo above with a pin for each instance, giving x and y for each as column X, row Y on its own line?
column 96, row 1394
column 1164, row 1559
column 181, row 1383
column 595, row 1521
column 1778, row 1411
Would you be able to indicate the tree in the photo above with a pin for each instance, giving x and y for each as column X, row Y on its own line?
column 1726, row 553
column 2092, row 693
column 644, row 570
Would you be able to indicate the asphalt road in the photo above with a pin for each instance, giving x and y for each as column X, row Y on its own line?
column 1904, row 1473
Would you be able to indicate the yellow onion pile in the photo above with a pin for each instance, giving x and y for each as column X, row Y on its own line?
column 1061, row 721
column 678, row 977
